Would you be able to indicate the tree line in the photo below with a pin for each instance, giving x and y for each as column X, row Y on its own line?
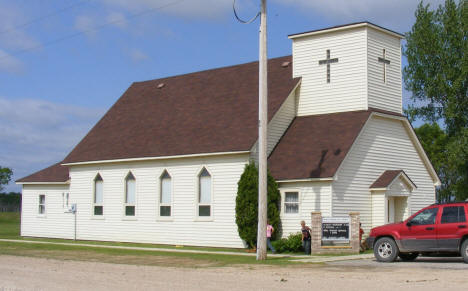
column 437, row 76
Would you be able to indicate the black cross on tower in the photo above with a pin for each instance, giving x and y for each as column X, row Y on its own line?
column 385, row 63
column 328, row 61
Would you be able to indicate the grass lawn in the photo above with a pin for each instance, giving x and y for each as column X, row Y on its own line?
column 10, row 229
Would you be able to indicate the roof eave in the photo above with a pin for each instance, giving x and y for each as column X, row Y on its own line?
column 347, row 27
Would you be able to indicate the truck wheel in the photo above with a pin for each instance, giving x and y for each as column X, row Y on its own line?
column 408, row 256
column 464, row 251
column 385, row 250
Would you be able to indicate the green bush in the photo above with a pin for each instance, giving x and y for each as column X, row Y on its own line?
column 247, row 205
column 292, row 244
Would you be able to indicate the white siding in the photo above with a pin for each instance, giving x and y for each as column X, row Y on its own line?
column 384, row 95
column 383, row 145
column 378, row 208
column 182, row 228
column 347, row 90
column 55, row 223
column 401, row 208
column 278, row 125
column 313, row 196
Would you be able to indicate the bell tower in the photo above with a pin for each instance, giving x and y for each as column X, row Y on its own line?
column 348, row 68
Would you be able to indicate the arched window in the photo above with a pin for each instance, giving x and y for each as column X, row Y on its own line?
column 98, row 195
column 204, row 193
column 165, row 199
column 130, row 195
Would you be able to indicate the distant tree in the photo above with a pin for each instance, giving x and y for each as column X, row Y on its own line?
column 5, row 176
column 437, row 75
column 247, row 205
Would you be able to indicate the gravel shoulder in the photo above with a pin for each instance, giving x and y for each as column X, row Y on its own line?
column 28, row 273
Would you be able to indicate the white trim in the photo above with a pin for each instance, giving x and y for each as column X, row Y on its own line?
column 197, row 217
column 405, row 179
column 346, row 27
column 125, row 204
column 306, row 180
column 93, row 198
column 283, row 199
column 155, row 158
column 43, row 183
column 159, row 217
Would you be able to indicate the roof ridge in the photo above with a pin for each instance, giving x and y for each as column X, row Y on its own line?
column 207, row 70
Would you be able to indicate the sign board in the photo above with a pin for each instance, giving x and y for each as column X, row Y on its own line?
column 335, row 228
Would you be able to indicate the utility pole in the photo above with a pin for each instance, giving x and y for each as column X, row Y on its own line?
column 262, row 135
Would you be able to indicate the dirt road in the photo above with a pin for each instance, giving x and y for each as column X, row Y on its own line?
column 26, row 273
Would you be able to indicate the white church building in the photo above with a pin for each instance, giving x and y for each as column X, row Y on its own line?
column 162, row 165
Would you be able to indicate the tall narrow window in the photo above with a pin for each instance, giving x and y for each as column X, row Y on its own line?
column 130, row 194
column 204, row 195
column 98, row 195
column 42, row 204
column 166, row 195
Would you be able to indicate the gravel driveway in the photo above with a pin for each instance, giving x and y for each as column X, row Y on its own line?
column 27, row 273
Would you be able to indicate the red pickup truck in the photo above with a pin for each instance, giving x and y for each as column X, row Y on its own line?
column 436, row 229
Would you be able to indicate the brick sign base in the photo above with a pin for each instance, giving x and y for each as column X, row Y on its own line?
column 316, row 237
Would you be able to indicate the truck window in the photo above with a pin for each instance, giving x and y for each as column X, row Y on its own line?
column 426, row 217
column 453, row 214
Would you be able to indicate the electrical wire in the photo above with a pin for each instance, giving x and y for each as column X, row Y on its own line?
column 94, row 29
column 241, row 20
column 56, row 12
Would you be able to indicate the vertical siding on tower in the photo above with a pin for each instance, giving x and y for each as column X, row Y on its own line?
column 384, row 95
column 383, row 145
column 347, row 90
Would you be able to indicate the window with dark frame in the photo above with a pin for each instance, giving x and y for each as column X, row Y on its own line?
column 42, row 208
column 165, row 199
column 130, row 195
column 98, row 208
column 204, row 193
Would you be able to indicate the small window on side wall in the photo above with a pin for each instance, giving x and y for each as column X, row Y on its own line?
column 42, row 208
column 130, row 195
column 204, row 194
column 291, row 202
column 98, row 208
column 165, row 199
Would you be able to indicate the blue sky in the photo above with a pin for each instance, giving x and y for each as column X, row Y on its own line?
column 63, row 63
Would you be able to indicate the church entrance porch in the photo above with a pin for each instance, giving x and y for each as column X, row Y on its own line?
column 391, row 196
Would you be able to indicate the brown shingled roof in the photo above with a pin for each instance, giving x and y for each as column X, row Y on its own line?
column 55, row 173
column 314, row 146
column 205, row 112
column 388, row 177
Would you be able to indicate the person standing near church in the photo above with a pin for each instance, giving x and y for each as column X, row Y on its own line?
column 270, row 230
column 305, row 237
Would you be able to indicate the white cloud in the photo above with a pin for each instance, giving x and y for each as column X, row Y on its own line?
column 117, row 19
column 86, row 24
column 395, row 14
column 137, row 55
column 11, row 36
column 36, row 133
column 195, row 9
column 9, row 63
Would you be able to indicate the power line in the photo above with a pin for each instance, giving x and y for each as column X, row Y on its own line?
column 56, row 12
column 241, row 20
column 94, row 29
